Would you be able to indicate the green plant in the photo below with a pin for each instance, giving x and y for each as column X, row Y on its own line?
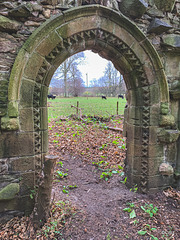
column 103, row 146
column 130, row 210
column 101, row 163
column 123, row 146
column 33, row 192
column 67, row 188
column 124, row 181
column 147, row 230
column 150, row 209
column 60, row 163
column 60, row 212
column 60, row 174
column 106, row 175
column 108, row 237
column 134, row 189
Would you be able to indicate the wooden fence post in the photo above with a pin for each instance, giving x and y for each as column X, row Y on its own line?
column 117, row 107
column 77, row 107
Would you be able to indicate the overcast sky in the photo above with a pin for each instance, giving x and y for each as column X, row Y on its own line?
column 94, row 66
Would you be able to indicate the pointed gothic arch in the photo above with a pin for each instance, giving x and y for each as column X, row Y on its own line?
column 116, row 38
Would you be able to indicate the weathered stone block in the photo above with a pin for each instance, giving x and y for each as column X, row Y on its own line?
column 26, row 93
column 32, row 66
column 153, row 134
column 8, row 25
column 168, row 136
column 9, row 205
column 156, row 150
column 153, row 165
column 21, row 164
column 171, row 40
column 167, row 120
column 174, row 90
column 134, row 115
column 21, row 11
column 9, row 192
column 9, row 124
column 159, row 182
column 154, row 94
column 166, row 169
column 154, row 115
column 26, row 119
column 49, row 43
column 133, row 8
column 45, row 90
column 165, row 5
column 157, row 26
column 172, row 65
column 27, row 183
column 44, row 117
column 45, row 141
column 18, row 144
column 13, row 109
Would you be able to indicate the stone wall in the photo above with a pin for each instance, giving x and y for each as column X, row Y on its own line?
column 157, row 19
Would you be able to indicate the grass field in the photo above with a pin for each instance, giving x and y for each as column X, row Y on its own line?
column 90, row 106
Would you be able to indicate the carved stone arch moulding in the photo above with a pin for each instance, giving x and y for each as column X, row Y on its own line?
column 122, row 48
column 60, row 38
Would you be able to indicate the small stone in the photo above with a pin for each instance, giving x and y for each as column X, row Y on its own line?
column 47, row 13
column 7, row 46
column 166, row 169
column 154, row 12
column 32, row 23
column 37, row 7
column 157, row 26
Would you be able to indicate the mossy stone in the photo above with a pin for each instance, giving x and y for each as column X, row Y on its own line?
column 9, row 192
column 10, row 124
column 13, row 109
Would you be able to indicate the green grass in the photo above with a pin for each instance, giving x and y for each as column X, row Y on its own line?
column 91, row 106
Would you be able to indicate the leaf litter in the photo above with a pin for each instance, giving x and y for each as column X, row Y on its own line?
column 92, row 207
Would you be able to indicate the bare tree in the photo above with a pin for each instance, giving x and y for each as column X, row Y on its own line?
column 111, row 83
column 65, row 73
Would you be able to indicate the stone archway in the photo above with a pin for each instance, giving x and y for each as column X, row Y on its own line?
column 114, row 37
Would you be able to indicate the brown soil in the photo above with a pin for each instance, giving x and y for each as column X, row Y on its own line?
column 100, row 207
column 94, row 208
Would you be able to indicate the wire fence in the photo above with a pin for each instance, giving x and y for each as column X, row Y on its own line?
column 85, row 106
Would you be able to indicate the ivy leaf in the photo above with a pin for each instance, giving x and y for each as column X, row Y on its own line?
column 127, row 209
column 132, row 214
column 142, row 232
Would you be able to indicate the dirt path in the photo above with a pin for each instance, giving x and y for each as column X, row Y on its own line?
column 86, row 207
column 101, row 205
